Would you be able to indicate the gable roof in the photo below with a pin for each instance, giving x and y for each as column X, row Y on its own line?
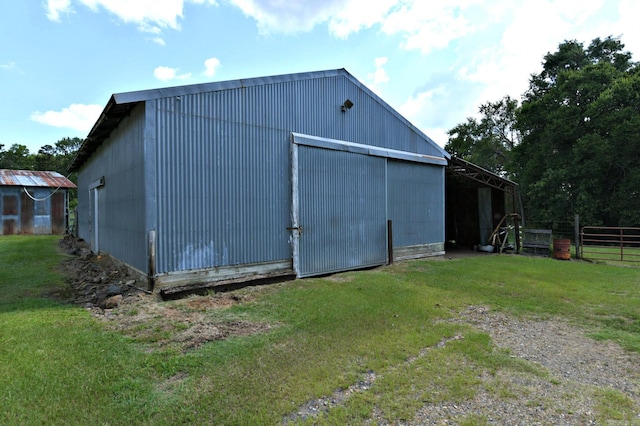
column 34, row 178
column 120, row 105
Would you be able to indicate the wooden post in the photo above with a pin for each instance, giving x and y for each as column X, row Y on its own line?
column 576, row 230
column 390, row 241
column 516, row 219
column 621, row 245
column 151, row 273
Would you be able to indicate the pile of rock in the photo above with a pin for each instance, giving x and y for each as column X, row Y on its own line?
column 95, row 280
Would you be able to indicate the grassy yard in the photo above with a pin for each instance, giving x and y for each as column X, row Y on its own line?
column 59, row 365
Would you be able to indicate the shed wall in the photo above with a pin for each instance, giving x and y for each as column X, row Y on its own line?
column 223, row 191
column 121, row 201
column 20, row 214
column 223, row 166
column 312, row 107
column 416, row 203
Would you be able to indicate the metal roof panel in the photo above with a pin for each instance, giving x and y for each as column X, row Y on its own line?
column 34, row 178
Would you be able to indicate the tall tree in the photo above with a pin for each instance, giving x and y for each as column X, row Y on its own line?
column 58, row 157
column 488, row 142
column 16, row 157
column 580, row 126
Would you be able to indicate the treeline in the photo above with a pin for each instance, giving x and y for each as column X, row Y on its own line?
column 572, row 142
column 49, row 158
column 55, row 158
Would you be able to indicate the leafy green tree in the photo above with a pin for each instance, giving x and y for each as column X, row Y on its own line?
column 488, row 142
column 58, row 157
column 16, row 157
column 581, row 127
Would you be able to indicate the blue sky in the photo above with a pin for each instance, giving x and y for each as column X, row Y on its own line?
column 433, row 61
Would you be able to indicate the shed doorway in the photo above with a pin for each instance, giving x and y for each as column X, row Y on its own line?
column 93, row 219
column 477, row 203
column 9, row 207
column 41, row 211
column 94, row 213
column 339, row 210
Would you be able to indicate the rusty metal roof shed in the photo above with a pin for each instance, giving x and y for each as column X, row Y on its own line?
column 34, row 178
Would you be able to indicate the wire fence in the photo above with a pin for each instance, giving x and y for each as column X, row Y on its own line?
column 591, row 243
column 558, row 238
column 559, row 229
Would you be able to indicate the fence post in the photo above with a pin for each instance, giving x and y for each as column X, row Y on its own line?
column 621, row 245
column 390, row 242
column 576, row 230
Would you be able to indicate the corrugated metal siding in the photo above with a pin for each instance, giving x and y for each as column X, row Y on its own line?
column 341, row 210
column 20, row 214
column 214, row 170
column 121, row 209
column 41, row 211
column 415, row 203
column 223, row 167
column 313, row 107
column 58, row 213
column 10, row 209
column 223, row 186
column 34, row 178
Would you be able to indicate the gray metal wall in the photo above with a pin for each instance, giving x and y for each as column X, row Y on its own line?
column 210, row 172
column 121, row 210
column 342, row 210
column 223, row 189
column 223, row 184
column 415, row 203
column 313, row 107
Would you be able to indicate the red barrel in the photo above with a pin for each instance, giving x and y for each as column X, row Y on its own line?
column 562, row 249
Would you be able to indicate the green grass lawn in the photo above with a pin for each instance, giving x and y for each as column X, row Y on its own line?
column 59, row 365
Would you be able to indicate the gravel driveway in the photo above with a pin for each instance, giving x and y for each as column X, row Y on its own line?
column 580, row 371
column 579, row 367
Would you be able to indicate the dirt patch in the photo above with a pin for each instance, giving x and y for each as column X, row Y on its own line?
column 94, row 279
column 112, row 294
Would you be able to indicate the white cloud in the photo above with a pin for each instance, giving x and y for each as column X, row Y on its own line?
column 577, row 11
column 438, row 135
column 628, row 26
column 288, row 16
column 8, row 66
column 77, row 116
column 415, row 105
column 55, row 7
column 159, row 40
column 343, row 17
column 211, row 65
column 426, row 26
column 355, row 15
column 505, row 67
column 167, row 73
column 151, row 16
column 380, row 74
column 423, row 25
